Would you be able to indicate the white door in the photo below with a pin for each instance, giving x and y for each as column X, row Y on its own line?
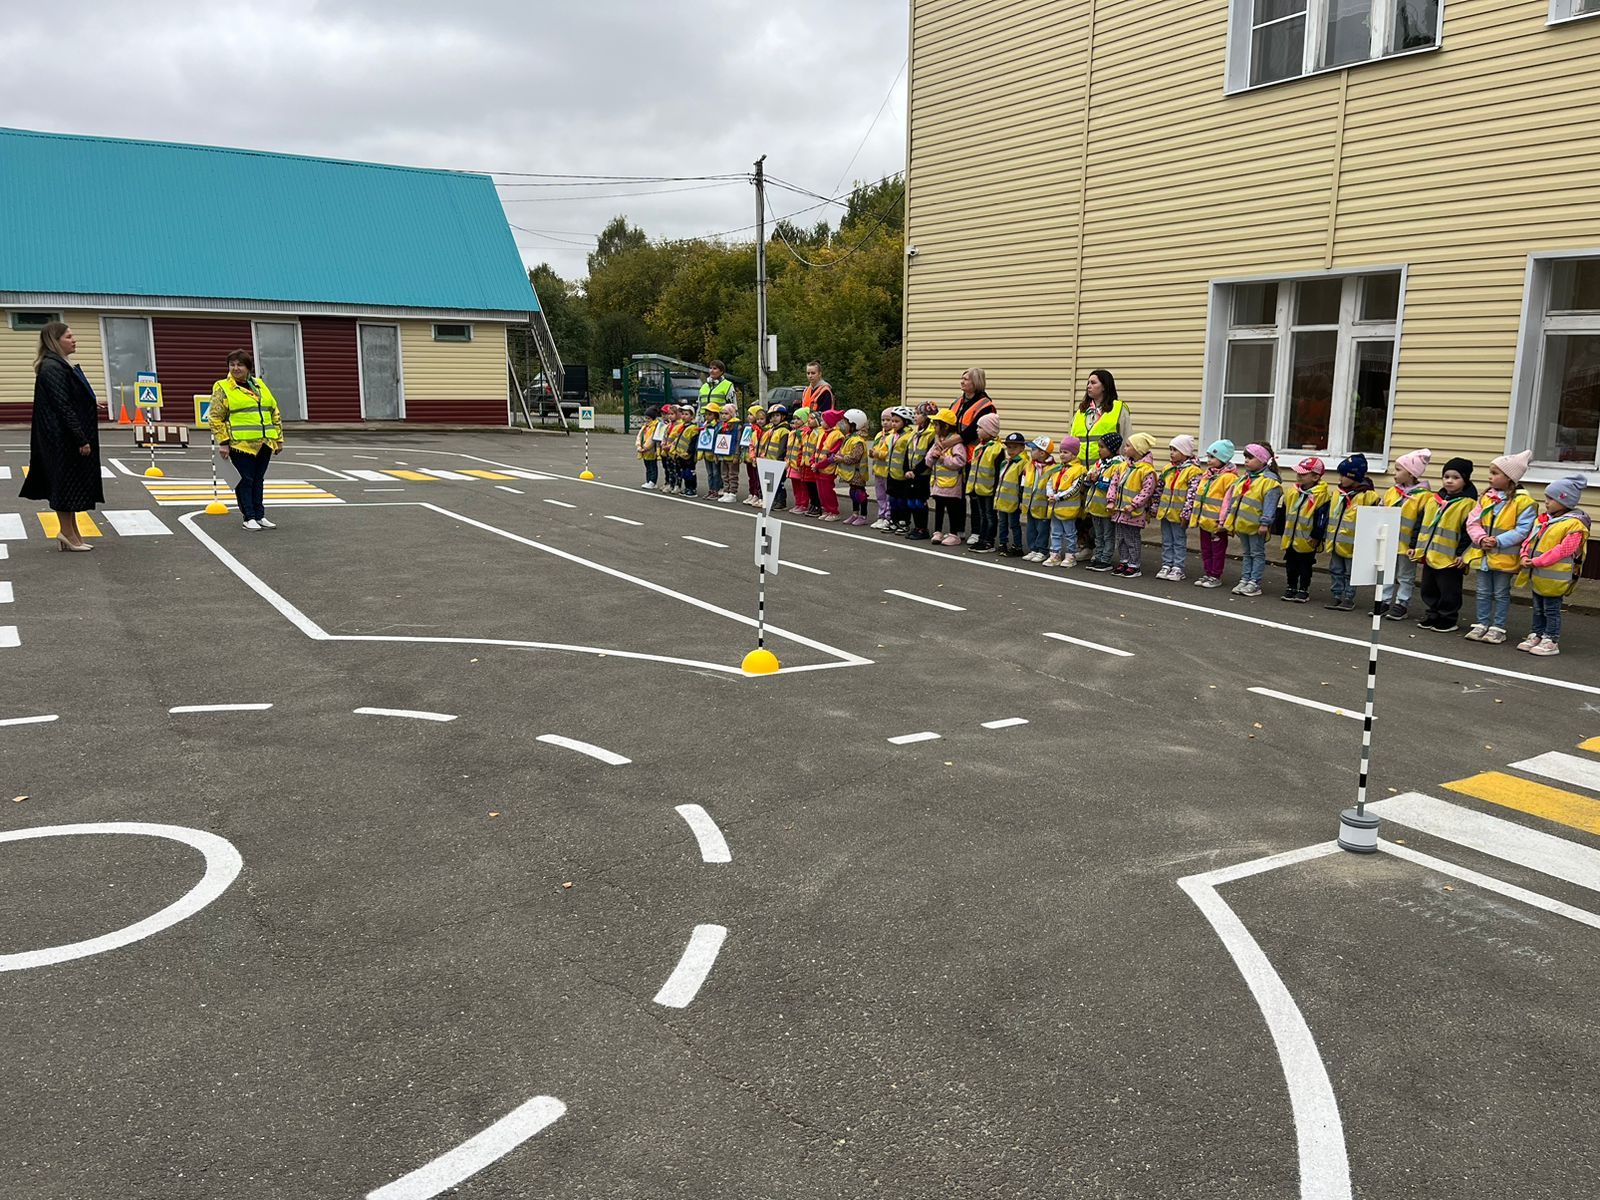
column 380, row 373
column 278, row 365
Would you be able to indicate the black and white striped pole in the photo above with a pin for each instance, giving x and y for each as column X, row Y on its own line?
column 762, row 661
column 1358, row 832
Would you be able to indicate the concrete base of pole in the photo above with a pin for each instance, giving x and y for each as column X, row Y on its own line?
column 1358, row 832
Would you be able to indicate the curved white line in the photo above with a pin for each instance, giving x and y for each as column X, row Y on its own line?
column 589, row 748
column 222, row 868
column 412, row 713
column 1319, row 1133
column 44, row 720
column 698, row 956
column 713, row 846
column 474, row 1154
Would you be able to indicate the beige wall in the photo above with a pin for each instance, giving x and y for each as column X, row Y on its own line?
column 1456, row 164
column 17, row 351
column 474, row 370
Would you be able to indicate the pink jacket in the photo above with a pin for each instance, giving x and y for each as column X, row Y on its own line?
column 954, row 459
column 1565, row 548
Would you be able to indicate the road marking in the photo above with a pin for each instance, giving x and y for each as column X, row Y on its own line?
column 136, row 522
column 625, row 521
column 44, row 720
column 906, row 739
column 438, row 474
column 1061, row 637
column 560, row 503
column 11, row 528
column 412, row 476
column 690, row 973
column 367, row 457
column 593, row 751
column 5, row 472
column 121, row 466
column 923, row 600
column 369, row 475
column 794, row 566
column 485, row 474
column 6, row 594
column 474, row 1154
column 532, row 476
column 8, row 637
column 1319, row 1133
column 414, row 714
column 1592, row 744
column 51, row 524
column 705, row 542
column 340, row 475
column 1493, row 836
column 1535, row 799
column 1568, row 768
column 106, row 472
column 713, row 846
column 1492, row 884
column 370, row 490
column 222, row 868
column 211, row 708
column 512, row 490
column 1006, row 723
column 1304, row 703
column 5, row 552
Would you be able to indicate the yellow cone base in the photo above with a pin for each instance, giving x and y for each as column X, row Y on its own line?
column 154, row 473
column 216, row 509
column 760, row 662
column 586, row 475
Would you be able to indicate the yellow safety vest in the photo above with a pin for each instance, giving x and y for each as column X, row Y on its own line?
column 646, row 441
column 1131, row 484
column 852, row 461
column 1008, row 493
column 1300, row 508
column 719, row 393
column 1410, row 506
column 1036, row 482
column 1250, row 502
column 1342, row 509
column 250, row 417
column 1175, row 483
column 880, row 454
column 683, row 442
column 1439, row 531
column 1098, row 490
column 1208, row 504
column 775, row 442
column 922, row 441
column 1561, row 576
column 944, row 475
column 1089, row 438
column 826, row 447
column 1064, row 480
column 984, row 473
column 797, row 449
column 1502, row 520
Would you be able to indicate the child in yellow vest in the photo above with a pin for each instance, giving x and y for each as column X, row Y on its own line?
column 851, row 463
column 1008, row 497
column 1354, row 493
column 1172, row 496
column 897, row 424
column 1066, row 498
column 1408, row 493
column 1130, row 498
column 775, row 445
column 1248, row 514
column 1498, row 526
column 1095, row 489
column 878, row 467
column 1209, row 489
column 1552, row 557
column 649, row 448
column 1441, row 541
column 1305, row 526
column 1036, row 499
column 983, row 477
column 750, row 440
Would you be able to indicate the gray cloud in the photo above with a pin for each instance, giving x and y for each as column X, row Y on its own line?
column 619, row 87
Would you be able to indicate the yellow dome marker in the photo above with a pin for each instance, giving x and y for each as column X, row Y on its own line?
column 760, row 662
column 586, row 475
column 216, row 509
column 154, row 472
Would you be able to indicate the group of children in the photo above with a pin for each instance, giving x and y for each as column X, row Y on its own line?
column 1041, row 501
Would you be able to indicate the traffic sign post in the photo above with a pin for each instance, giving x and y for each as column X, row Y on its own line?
column 147, row 399
column 770, row 471
column 586, row 423
column 1372, row 562
column 202, row 405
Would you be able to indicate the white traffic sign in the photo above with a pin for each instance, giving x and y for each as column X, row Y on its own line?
column 1364, row 559
column 770, row 471
column 768, row 534
column 586, row 416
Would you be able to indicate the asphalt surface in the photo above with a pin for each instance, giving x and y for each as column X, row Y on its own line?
column 955, row 967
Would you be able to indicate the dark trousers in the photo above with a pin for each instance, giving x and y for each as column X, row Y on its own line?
column 1441, row 592
column 1038, row 534
column 252, row 470
column 919, row 503
column 1010, row 529
column 953, row 508
column 651, row 472
column 1299, row 564
column 983, row 522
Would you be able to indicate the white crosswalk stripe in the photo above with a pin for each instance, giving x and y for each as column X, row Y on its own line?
column 12, row 528
column 1566, row 768
column 137, row 522
column 445, row 474
column 5, row 472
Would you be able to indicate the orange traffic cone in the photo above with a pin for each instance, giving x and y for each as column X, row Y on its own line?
column 122, row 412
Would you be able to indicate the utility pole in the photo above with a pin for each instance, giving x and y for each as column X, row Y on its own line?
column 761, row 283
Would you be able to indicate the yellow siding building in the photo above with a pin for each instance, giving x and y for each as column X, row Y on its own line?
column 1335, row 225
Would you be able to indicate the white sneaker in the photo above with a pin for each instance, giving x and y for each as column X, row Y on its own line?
column 1069, row 560
column 266, row 524
column 1475, row 634
column 1529, row 642
column 1034, row 557
column 1053, row 561
column 1177, row 575
column 973, row 539
column 1238, row 588
column 1249, row 589
column 728, row 498
column 1495, row 637
column 1545, row 648
column 647, row 485
column 1210, row 581
column 880, row 523
column 1162, row 574
column 252, row 525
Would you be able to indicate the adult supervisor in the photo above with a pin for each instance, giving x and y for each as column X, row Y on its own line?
column 248, row 432
column 974, row 403
column 1099, row 412
column 64, row 443
column 715, row 389
column 819, row 392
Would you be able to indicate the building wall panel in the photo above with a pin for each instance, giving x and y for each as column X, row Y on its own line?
column 17, row 351
column 455, row 382
column 192, row 354
column 333, row 373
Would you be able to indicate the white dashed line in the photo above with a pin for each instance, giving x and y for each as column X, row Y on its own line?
column 625, row 521
column 1304, row 703
column 44, row 720
column 794, row 566
column 383, row 489
column 705, row 542
column 923, row 600
column 560, row 503
column 211, row 708
column 905, row 739
column 593, row 751
column 1061, row 637
column 438, row 474
column 414, row 714
column 474, row 1154
column 713, row 846
column 9, row 637
column 6, row 594
column 690, row 973
column 512, row 490
column 11, row 528
column 1005, row 723
column 368, row 475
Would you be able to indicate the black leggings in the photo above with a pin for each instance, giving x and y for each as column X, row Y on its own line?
column 953, row 507
column 1299, row 564
column 983, row 522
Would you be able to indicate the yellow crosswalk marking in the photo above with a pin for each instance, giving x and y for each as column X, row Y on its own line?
column 1536, row 799
column 414, row 476
column 52, row 525
column 1591, row 744
column 486, row 474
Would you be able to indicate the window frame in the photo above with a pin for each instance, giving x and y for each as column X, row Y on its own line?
column 1564, row 12
column 466, row 325
column 1351, row 331
column 12, row 315
column 1241, row 29
column 1527, row 373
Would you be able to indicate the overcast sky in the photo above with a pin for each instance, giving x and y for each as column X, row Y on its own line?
column 604, row 87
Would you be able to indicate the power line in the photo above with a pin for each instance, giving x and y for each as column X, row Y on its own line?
column 833, row 262
column 886, row 98
column 588, row 245
column 703, row 187
column 599, row 179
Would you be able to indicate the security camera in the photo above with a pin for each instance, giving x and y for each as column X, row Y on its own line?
column 911, row 251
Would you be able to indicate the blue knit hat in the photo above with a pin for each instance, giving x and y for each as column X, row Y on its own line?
column 1355, row 466
column 1222, row 450
column 1568, row 490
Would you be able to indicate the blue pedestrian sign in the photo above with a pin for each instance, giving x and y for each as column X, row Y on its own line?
column 147, row 393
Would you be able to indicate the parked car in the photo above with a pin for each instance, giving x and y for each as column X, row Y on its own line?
column 576, row 393
column 789, row 397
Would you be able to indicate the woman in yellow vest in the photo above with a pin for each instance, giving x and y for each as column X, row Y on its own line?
column 1354, row 493
column 248, row 431
column 1441, row 541
column 1008, row 497
column 1066, row 497
column 1551, row 558
column 1305, row 527
column 1498, row 526
column 1099, row 412
column 983, row 477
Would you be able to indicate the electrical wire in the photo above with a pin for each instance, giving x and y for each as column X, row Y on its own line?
column 777, row 228
column 703, row 187
column 604, row 179
column 887, row 96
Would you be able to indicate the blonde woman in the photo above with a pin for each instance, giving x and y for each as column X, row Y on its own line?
column 64, row 444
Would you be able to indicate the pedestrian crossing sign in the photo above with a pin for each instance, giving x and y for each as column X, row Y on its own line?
column 147, row 393
column 202, row 408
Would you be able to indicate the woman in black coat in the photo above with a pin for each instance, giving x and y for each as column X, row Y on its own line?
column 64, row 449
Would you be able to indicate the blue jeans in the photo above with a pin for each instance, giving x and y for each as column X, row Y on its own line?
column 1339, row 572
column 1105, row 539
column 1547, row 616
column 713, row 475
column 1010, row 524
column 1174, row 544
column 1063, row 535
column 1039, row 535
column 1254, row 548
column 252, row 470
column 1398, row 590
column 1494, row 597
column 651, row 474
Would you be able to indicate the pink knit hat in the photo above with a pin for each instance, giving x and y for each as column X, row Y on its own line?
column 1416, row 463
column 1185, row 445
column 1258, row 452
column 989, row 423
column 1513, row 466
column 1068, row 446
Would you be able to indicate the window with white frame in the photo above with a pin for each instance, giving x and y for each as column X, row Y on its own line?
column 1306, row 365
column 452, row 333
column 1556, row 411
column 1274, row 40
column 1571, row 10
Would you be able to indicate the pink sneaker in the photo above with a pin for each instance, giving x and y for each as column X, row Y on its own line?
column 951, row 539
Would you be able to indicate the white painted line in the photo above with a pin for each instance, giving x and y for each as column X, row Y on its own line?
column 6, row 596
column 5, row 472
column 512, row 490
column 211, row 708
column 474, row 1154
column 923, row 600
column 1558, row 907
column 713, row 846
column 705, row 542
column 1061, row 637
column 106, row 472
column 1006, row 723
column 383, row 489
column 906, row 739
column 437, row 474
column 318, row 467
column 1304, row 703
column 8, row 637
column 1567, row 768
column 222, row 868
column 369, row 475
column 367, row 457
column 45, row 720
column 136, row 522
column 593, row 751
column 5, row 552
column 560, row 503
column 625, row 521
column 11, row 528
column 121, row 466
column 1319, row 1133
column 414, row 714
column 1493, row 836
column 698, row 956
column 794, row 566
column 520, row 474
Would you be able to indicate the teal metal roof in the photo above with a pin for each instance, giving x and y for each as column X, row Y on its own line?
column 110, row 216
